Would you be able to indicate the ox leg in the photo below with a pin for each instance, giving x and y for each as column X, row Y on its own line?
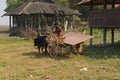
column 42, row 48
column 39, row 49
column 46, row 49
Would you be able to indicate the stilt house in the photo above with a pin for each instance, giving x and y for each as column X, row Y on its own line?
column 106, row 18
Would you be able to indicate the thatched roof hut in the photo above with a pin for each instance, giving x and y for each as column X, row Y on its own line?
column 32, row 12
column 42, row 7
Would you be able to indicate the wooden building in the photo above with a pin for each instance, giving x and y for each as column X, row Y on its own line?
column 31, row 13
column 106, row 18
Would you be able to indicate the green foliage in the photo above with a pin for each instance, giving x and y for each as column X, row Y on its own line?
column 62, row 2
column 84, row 10
column 12, row 4
column 46, row 30
column 76, row 18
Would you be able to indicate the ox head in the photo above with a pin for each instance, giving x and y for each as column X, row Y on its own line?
column 36, row 42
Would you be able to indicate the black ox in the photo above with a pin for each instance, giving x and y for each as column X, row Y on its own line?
column 41, row 43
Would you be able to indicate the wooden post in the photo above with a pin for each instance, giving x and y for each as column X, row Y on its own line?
column 13, row 21
column 39, row 23
column 63, row 21
column 113, row 3
column 10, row 22
column 91, row 29
column 104, row 36
column 17, row 22
column 105, row 4
column 36, row 19
column 112, row 36
column 91, row 33
column 21, row 21
column 112, row 31
column 32, row 21
column 57, row 18
column 26, row 27
column 91, row 5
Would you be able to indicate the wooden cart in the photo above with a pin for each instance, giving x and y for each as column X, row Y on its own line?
column 71, row 42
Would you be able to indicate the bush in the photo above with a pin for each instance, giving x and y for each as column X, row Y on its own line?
column 16, row 31
column 30, row 33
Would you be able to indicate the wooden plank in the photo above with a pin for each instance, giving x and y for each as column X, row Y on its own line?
column 74, row 38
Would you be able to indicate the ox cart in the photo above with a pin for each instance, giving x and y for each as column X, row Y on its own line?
column 71, row 42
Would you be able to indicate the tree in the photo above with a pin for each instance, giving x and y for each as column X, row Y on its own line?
column 12, row 4
column 62, row 2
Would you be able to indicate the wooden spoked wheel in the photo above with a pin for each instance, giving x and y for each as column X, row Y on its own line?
column 79, row 48
column 53, row 51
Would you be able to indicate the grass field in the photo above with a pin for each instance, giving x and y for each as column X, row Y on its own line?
column 19, row 60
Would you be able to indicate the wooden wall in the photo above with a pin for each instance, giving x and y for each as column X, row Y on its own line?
column 109, row 18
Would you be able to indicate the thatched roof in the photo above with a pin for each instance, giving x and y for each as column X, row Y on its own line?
column 42, row 7
column 97, row 2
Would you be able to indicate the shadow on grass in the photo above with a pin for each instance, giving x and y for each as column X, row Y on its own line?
column 103, row 52
column 95, row 52
column 36, row 55
column 45, row 55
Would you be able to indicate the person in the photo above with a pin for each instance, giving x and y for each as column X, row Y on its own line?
column 65, row 26
column 57, row 30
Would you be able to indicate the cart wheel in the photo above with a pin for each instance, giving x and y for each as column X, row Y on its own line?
column 67, row 49
column 81, row 48
column 53, row 51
